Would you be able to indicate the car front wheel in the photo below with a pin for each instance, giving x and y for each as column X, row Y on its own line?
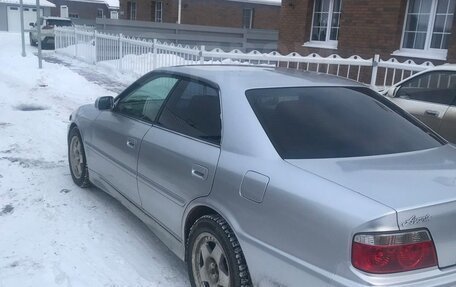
column 213, row 255
column 77, row 159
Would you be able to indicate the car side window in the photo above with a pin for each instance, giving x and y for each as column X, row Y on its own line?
column 437, row 87
column 144, row 102
column 194, row 110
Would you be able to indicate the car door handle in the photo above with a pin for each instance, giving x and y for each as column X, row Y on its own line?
column 432, row 113
column 131, row 143
column 199, row 171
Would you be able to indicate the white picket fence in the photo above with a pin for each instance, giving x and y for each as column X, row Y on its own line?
column 139, row 56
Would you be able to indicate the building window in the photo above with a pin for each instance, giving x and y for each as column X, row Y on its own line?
column 74, row 15
column 157, row 12
column 247, row 18
column 428, row 25
column 326, row 18
column 99, row 13
column 325, row 24
column 131, row 10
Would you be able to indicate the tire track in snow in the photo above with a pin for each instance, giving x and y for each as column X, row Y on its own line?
column 89, row 74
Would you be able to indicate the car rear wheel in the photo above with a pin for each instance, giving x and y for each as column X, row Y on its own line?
column 213, row 255
column 77, row 159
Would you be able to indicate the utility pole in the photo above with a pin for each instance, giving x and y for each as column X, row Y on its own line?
column 179, row 12
column 22, row 27
column 38, row 26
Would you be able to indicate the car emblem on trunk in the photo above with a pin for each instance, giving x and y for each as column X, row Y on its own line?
column 415, row 220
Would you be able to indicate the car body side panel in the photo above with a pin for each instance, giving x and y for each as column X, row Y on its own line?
column 429, row 113
column 448, row 127
column 114, row 149
column 83, row 118
column 172, row 171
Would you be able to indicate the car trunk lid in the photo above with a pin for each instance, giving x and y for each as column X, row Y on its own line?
column 420, row 186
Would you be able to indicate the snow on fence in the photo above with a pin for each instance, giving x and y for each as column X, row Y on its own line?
column 139, row 56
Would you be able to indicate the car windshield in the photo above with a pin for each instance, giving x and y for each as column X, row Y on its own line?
column 58, row 23
column 334, row 122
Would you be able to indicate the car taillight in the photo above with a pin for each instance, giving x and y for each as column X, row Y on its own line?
column 381, row 253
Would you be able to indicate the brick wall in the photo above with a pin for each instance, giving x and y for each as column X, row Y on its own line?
column 85, row 10
column 228, row 14
column 295, row 25
column 366, row 28
column 452, row 45
column 371, row 27
column 145, row 10
column 221, row 13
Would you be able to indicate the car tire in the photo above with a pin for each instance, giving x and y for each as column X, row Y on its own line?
column 76, row 158
column 214, row 256
column 32, row 43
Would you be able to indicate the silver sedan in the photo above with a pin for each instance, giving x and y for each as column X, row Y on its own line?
column 269, row 177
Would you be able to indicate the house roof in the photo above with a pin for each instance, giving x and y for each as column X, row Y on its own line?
column 264, row 2
column 43, row 3
column 112, row 4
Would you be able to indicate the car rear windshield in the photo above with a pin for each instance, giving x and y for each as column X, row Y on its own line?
column 333, row 122
column 58, row 23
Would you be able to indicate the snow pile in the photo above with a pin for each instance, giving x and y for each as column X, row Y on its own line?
column 84, row 51
column 138, row 65
column 54, row 233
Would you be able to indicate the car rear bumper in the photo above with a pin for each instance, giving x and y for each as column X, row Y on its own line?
column 432, row 277
column 270, row 267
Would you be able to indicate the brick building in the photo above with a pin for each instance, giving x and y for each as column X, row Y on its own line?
column 260, row 14
column 416, row 29
column 85, row 11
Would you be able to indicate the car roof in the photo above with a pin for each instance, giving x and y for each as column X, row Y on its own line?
column 57, row 18
column 247, row 77
column 444, row 67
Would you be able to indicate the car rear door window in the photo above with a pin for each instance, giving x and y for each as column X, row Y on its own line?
column 437, row 87
column 333, row 122
column 145, row 101
column 194, row 110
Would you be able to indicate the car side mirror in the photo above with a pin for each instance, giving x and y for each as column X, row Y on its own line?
column 391, row 92
column 31, row 24
column 104, row 103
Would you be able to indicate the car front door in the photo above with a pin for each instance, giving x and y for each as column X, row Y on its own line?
column 448, row 128
column 428, row 97
column 117, row 134
column 179, row 154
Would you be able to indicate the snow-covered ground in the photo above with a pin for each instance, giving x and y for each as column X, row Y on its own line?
column 53, row 233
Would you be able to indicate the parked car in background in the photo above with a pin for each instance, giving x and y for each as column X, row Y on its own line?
column 47, row 30
column 259, row 176
column 431, row 97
